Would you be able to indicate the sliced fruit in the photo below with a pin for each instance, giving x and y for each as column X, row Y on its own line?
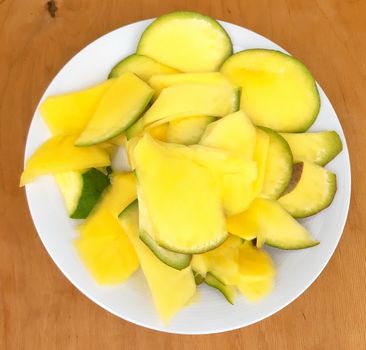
column 81, row 190
column 136, row 129
column 278, row 91
column 198, row 278
column 176, row 260
column 316, row 147
column 198, row 224
column 119, row 107
column 268, row 219
column 68, row 114
column 159, row 132
column 228, row 292
column 234, row 132
column 106, row 250
column 59, row 155
column 311, row 190
column 171, row 289
column 187, row 41
column 188, row 100
column 187, row 131
column 144, row 67
column 221, row 261
column 278, row 168
column 256, row 290
column 160, row 82
column 260, row 156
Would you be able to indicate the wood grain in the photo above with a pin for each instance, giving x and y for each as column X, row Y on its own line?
column 40, row 309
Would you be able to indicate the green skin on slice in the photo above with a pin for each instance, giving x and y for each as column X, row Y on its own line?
column 176, row 260
column 316, row 147
column 278, row 168
column 135, row 129
column 311, row 190
column 278, row 91
column 82, row 191
column 228, row 292
column 144, row 67
column 187, row 41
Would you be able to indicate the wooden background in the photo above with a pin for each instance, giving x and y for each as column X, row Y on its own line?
column 40, row 309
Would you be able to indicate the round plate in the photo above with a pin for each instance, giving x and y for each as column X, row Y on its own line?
column 131, row 300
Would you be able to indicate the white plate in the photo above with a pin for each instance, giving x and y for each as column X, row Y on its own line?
column 131, row 300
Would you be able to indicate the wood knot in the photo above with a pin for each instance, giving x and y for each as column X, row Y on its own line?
column 52, row 8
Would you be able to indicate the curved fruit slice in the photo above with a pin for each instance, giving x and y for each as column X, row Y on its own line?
column 235, row 133
column 81, row 190
column 291, row 97
column 188, row 100
column 160, row 82
column 136, row 129
column 144, row 67
column 268, row 219
column 120, row 106
column 175, row 260
column 187, row 131
column 312, row 189
column 106, row 251
column 228, row 292
column 316, row 147
column 256, row 290
column 198, row 223
column 278, row 169
column 59, row 155
column 187, row 41
column 68, row 114
column 171, row 289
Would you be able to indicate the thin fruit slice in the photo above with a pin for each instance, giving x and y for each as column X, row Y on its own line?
column 171, row 289
column 176, row 260
column 68, row 114
column 256, row 290
column 316, row 147
column 136, row 129
column 260, row 156
column 164, row 177
column 187, row 41
column 268, row 219
column 228, row 292
column 144, row 67
column 278, row 91
column 278, row 168
column 235, row 133
column 106, row 250
column 59, row 155
column 120, row 106
column 159, row 132
column 221, row 261
column 311, row 190
column 187, row 131
column 188, row 100
column 81, row 190
column 160, row 82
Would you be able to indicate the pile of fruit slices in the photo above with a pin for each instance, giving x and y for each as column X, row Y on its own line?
column 220, row 163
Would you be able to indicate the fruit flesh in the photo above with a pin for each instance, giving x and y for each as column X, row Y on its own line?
column 228, row 292
column 144, row 67
column 188, row 100
column 278, row 168
column 114, row 114
column 178, row 179
column 316, row 147
column 196, row 43
column 291, row 97
column 68, row 114
column 59, row 155
column 313, row 192
column 171, row 289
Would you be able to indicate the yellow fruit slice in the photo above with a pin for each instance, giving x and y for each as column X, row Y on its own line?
column 119, row 107
column 166, row 176
column 144, row 67
column 68, row 114
column 105, row 249
column 188, row 100
column 59, row 155
column 278, row 91
column 260, row 156
column 171, row 289
column 159, row 132
column 256, row 290
column 187, row 41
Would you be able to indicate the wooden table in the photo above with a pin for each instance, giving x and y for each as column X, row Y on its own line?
column 39, row 308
